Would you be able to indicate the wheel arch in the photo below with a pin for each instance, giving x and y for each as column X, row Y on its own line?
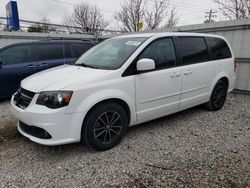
column 222, row 76
column 119, row 101
column 210, row 105
column 225, row 80
column 116, row 100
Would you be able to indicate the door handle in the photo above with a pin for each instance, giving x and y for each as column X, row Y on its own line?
column 188, row 72
column 43, row 65
column 175, row 75
column 32, row 66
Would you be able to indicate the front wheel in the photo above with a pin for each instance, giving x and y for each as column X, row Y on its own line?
column 218, row 97
column 105, row 126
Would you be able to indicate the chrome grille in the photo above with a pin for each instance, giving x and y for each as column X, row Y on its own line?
column 23, row 98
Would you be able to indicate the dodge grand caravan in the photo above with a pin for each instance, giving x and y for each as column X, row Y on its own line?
column 122, row 82
column 20, row 60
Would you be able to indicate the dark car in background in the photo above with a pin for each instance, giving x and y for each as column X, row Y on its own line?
column 20, row 60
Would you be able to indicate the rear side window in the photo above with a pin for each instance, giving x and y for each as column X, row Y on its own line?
column 80, row 48
column 50, row 51
column 193, row 50
column 219, row 48
column 16, row 54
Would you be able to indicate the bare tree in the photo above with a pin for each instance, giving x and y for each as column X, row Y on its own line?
column 45, row 26
column 131, row 15
column 172, row 19
column 247, row 5
column 154, row 18
column 134, row 12
column 234, row 9
column 86, row 19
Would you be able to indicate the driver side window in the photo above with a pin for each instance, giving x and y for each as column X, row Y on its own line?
column 16, row 54
column 162, row 52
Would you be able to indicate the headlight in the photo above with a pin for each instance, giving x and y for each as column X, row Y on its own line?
column 54, row 99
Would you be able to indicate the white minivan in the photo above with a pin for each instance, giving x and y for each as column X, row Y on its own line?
column 124, row 81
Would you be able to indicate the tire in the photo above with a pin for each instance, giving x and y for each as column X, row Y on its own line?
column 218, row 97
column 105, row 126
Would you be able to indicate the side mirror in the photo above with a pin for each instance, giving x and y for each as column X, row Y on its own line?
column 145, row 65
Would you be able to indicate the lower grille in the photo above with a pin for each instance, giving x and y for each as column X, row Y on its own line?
column 34, row 131
column 23, row 98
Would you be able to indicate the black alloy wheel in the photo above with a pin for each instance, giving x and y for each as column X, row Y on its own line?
column 218, row 96
column 108, row 126
column 105, row 126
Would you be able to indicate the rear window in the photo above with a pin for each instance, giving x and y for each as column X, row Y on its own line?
column 80, row 48
column 52, row 51
column 193, row 50
column 219, row 48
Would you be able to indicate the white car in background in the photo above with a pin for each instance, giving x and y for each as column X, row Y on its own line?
column 121, row 82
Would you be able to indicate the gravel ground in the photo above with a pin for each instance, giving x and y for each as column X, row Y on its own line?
column 194, row 148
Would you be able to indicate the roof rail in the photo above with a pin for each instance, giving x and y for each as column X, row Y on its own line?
column 67, row 39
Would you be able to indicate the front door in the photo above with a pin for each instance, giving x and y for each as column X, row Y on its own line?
column 158, row 91
column 17, row 64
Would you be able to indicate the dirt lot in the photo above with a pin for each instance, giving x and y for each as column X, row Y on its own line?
column 194, row 148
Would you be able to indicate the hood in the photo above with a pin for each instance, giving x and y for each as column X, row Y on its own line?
column 60, row 77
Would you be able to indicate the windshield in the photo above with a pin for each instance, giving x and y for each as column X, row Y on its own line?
column 110, row 54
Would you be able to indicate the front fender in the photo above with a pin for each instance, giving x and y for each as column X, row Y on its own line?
column 88, row 102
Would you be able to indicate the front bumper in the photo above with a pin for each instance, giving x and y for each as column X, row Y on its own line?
column 64, row 128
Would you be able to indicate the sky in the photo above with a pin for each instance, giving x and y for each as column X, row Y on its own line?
column 189, row 11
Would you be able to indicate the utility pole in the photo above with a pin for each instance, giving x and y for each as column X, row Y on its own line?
column 210, row 15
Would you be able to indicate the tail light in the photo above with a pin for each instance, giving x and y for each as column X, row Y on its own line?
column 235, row 65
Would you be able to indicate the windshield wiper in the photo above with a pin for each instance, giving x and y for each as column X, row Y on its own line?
column 84, row 65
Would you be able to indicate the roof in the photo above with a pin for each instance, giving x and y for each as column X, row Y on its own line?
column 66, row 40
column 48, row 41
column 162, row 34
column 21, row 35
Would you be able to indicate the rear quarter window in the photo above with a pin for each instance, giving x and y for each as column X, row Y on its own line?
column 219, row 48
column 81, row 48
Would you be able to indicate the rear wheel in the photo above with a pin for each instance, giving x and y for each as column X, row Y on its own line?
column 218, row 96
column 105, row 126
